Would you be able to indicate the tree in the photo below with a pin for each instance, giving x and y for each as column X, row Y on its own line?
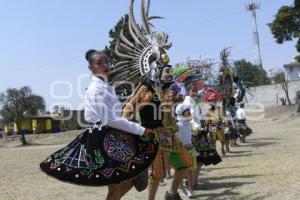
column 17, row 102
column 250, row 74
column 279, row 77
column 297, row 100
column 286, row 25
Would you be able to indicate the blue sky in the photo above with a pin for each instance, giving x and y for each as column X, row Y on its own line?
column 42, row 43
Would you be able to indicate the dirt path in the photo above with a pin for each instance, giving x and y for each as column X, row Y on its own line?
column 266, row 167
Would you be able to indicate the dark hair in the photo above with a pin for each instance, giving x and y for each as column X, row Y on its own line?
column 171, row 86
column 89, row 54
column 232, row 101
column 162, row 68
column 191, row 86
column 235, row 79
column 242, row 105
column 166, row 86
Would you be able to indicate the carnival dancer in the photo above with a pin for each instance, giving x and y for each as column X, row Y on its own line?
column 205, row 148
column 215, row 117
column 154, row 109
column 185, row 129
column 242, row 128
column 230, row 112
column 145, row 59
column 145, row 105
column 227, row 135
column 203, row 144
column 179, row 157
column 197, row 119
column 111, row 152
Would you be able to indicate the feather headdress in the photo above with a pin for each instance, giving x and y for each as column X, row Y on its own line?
column 147, row 54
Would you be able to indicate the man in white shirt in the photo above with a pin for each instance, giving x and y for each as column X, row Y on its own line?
column 240, row 113
column 241, row 122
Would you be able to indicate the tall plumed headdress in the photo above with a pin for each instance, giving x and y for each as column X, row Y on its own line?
column 147, row 54
column 230, row 84
column 211, row 95
column 226, row 77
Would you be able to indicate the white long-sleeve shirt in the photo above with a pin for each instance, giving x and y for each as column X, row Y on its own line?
column 240, row 114
column 102, row 105
column 195, row 111
column 184, row 132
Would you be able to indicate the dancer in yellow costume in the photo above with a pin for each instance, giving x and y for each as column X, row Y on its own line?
column 215, row 119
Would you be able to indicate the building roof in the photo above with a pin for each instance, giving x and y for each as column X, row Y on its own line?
column 45, row 116
column 293, row 64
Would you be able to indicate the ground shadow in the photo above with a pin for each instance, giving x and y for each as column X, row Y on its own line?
column 215, row 186
column 240, row 151
column 34, row 144
column 246, row 197
column 257, row 139
column 259, row 144
column 216, row 168
column 228, row 194
column 225, row 194
column 228, row 177
column 241, row 155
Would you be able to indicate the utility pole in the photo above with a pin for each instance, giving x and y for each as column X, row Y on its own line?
column 252, row 8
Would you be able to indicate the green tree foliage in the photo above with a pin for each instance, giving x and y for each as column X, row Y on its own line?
column 17, row 102
column 297, row 100
column 250, row 74
column 286, row 25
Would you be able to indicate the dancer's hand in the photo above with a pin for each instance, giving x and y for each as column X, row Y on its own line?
column 148, row 132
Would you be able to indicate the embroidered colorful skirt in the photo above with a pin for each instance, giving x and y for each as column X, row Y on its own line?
column 243, row 129
column 207, row 153
column 170, row 152
column 209, row 157
column 101, row 157
column 233, row 134
column 181, row 159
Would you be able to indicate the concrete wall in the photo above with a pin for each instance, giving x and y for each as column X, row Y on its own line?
column 270, row 94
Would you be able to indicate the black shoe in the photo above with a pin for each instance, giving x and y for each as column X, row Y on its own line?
column 141, row 181
column 175, row 196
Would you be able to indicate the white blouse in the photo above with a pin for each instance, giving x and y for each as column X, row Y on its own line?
column 195, row 111
column 240, row 114
column 102, row 105
column 185, row 132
